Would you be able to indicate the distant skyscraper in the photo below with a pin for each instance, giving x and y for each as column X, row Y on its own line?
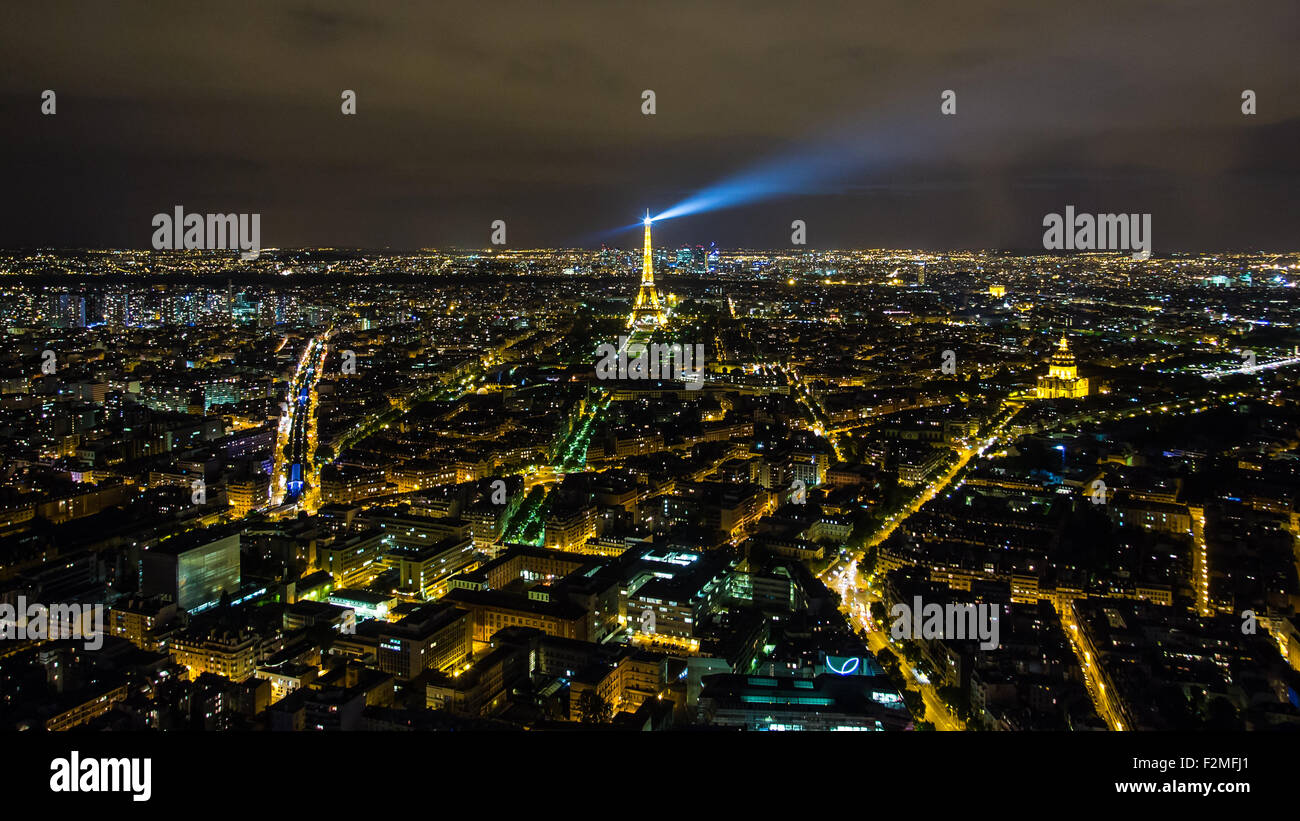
column 116, row 309
column 70, row 311
column 94, row 308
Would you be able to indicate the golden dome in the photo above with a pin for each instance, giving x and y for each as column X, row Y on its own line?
column 1063, row 358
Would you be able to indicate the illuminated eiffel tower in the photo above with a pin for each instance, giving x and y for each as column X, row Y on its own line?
column 647, row 311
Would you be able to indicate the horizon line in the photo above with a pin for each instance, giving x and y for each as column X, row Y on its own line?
column 636, row 249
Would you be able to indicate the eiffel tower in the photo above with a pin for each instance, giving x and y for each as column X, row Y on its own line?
column 647, row 311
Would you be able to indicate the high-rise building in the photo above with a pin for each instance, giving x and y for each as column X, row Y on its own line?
column 69, row 311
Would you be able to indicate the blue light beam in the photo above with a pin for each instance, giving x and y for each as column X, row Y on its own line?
column 818, row 174
column 831, row 164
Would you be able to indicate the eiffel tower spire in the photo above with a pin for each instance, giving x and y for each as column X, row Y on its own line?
column 647, row 310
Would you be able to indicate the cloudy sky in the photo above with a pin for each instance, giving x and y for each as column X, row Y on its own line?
column 530, row 112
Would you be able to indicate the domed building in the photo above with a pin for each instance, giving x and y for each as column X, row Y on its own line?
column 1062, row 380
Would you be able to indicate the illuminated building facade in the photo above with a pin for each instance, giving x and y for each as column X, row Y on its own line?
column 351, row 561
column 1062, row 380
column 89, row 709
column 194, row 569
column 435, row 637
column 424, row 570
column 493, row 610
column 570, row 529
column 247, row 495
column 827, row 702
column 135, row 619
column 229, row 654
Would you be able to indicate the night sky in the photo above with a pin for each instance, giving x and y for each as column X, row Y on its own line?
column 530, row 112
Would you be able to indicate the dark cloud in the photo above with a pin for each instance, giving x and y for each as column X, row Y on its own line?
column 530, row 112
